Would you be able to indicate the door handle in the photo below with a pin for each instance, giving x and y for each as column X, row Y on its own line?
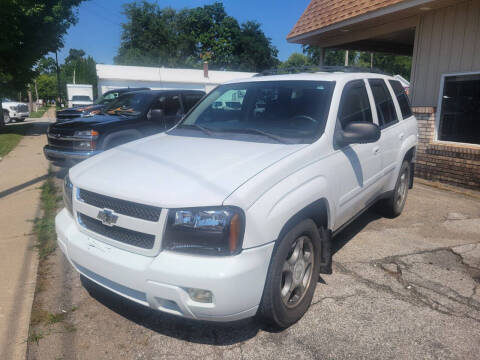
column 401, row 136
column 376, row 150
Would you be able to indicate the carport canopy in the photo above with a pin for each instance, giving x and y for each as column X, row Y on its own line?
column 373, row 25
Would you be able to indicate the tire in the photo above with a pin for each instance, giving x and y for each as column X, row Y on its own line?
column 392, row 206
column 291, row 279
column 6, row 118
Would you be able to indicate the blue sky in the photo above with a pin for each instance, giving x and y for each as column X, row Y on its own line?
column 99, row 29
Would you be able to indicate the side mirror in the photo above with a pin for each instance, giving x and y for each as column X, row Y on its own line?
column 358, row 132
column 155, row 115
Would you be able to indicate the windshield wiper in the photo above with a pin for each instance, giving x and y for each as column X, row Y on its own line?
column 264, row 133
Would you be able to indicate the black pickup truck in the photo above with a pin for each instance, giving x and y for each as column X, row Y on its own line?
column 132, row 116
column 89, row 110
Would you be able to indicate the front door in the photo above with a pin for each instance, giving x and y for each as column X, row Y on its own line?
column 359, row 165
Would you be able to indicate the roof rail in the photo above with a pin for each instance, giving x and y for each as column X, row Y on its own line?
column 316, row 69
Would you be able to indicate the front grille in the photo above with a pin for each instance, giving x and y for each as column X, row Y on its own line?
column 22, row 108
column 67, row 144
column 139, row 211
column 126, row 236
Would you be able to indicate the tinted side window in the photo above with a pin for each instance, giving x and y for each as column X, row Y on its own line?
column 169, row 104
column 172, row 105
column 402, row 98
column 189, row 100
column 383, row 101
column 355, row 105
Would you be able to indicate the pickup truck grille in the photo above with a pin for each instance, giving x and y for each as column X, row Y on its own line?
column 126, row 236
column 60, row 143
column 139, row 211
column 22, row 108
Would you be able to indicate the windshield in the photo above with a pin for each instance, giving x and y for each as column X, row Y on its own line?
column 106, row 98
column 130, row 104
column 282, row 111
column 81, row 98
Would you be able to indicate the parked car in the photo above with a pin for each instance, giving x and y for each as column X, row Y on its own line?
column 230, row 214
column 14, row 110
column 96, row 107
column 130, row 117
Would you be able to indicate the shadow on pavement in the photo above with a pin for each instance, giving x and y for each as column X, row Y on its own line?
column 347, row 234
column 194, row 331
column 22, row 186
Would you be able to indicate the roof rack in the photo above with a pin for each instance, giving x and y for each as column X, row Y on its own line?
column 317, row 69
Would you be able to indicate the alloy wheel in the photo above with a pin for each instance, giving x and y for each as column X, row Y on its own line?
column 297, row 271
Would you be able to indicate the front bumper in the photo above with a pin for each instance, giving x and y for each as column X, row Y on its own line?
column 66, row 156
column 20, row 115
column 159, row 282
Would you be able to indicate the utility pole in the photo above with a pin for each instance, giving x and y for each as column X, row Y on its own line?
column 371, row 60
column 58, row 79
column 346, row 57
column 36, row 91
column 30, row 105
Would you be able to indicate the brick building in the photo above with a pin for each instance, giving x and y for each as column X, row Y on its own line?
column 443, row 38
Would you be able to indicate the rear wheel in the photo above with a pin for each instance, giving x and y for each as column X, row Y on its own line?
column 394, row 204
column 292, row 276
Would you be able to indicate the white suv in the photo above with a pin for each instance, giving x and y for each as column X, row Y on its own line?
column 230, row 213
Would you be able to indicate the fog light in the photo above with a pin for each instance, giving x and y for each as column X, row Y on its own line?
column 199, row 295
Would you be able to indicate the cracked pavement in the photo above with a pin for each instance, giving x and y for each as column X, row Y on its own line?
column 403, row 288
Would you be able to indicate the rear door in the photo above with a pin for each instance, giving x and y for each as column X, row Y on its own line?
column 388, row 120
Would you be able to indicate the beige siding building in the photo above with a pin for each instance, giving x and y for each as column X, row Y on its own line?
column 443, row 37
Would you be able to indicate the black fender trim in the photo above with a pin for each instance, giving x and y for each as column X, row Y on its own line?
column 326, row 251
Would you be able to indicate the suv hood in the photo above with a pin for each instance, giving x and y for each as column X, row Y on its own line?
column 85, row 123
column 176, row 171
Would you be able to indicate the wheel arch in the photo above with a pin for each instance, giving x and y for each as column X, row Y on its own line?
column 318, row 211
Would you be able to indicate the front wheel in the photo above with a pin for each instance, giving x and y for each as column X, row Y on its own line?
column 6, row 118
column 393, row 205
column 292, row 276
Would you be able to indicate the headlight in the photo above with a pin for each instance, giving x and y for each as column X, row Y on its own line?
column 68, row 193
column 208, row 231
column 86, row 140
column 87, row 134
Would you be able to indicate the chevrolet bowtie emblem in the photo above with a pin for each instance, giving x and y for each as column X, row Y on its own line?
column 107, row 217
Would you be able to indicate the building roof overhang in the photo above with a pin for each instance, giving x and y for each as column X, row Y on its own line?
column 373, row 25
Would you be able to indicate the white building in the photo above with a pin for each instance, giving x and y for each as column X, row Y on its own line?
column 119, row 76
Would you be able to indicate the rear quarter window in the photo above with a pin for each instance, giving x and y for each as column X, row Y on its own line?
column 402, row 98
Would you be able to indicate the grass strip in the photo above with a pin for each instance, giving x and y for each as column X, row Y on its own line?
column 10, row 136
column 39, row 113
column 44, row 226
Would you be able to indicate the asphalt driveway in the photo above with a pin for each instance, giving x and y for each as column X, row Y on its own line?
column 403, row 288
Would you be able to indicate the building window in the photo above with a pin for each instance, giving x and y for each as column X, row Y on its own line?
column 459, row 118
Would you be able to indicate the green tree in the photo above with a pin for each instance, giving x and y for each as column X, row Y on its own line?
column 297, row 60
column 82, row 66
column 164, row 37
column 30, row 29
column 47, row 86
column 46, row 65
